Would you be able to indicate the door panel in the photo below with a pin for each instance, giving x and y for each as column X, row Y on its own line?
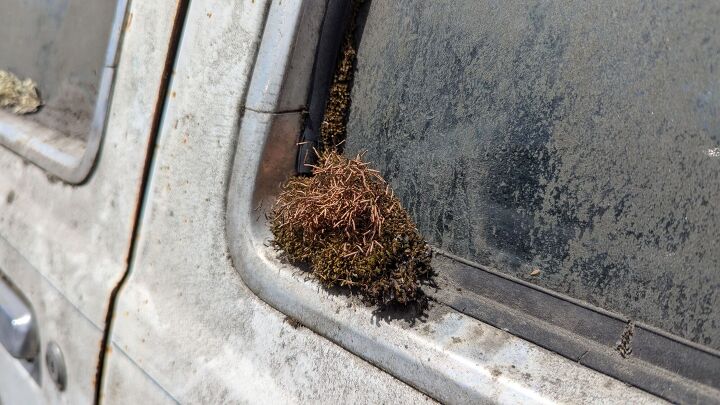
column 129, row 384
column 184, row 316
column 66, row 246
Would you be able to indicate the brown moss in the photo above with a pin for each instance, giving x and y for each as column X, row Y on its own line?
column 332, row 129
column 21, row 96
column 345, row 222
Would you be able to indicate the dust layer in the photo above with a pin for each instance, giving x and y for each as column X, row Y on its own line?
column 577, row 139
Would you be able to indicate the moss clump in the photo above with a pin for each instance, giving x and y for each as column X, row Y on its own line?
column 345, row 222
column 19, row 95
column 333, row 127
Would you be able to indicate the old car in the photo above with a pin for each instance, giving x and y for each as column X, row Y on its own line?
column 561, row 159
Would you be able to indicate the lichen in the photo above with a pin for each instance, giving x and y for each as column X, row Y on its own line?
column 346, row 223
column 20, row 96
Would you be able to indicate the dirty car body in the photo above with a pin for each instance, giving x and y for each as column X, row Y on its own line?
column 559, row 159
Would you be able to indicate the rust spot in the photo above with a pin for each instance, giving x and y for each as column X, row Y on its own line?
column 173, row 94
column 209, row 15
column 495, row 372
column 292, row 322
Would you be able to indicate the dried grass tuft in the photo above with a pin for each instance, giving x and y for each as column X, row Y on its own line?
column 345, row 222
column 21, row 96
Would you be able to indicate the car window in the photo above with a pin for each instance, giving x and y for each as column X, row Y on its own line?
column 67, row 48
column 573, row 146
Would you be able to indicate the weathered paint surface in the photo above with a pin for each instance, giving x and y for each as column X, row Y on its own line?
column 185, row 317
column 65, row 246
column 131, row 385
column 57, row 321
column 575, row 139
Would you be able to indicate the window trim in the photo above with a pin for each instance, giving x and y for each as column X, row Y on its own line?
column 663, row 364
column 68, row 159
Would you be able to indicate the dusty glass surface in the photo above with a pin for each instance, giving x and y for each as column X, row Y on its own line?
column 60, row 44
column 580, row 139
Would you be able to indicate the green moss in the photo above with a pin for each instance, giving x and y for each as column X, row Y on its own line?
column 345, row 222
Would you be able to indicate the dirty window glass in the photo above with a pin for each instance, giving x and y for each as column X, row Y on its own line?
column 573, row 145
column 61, row 45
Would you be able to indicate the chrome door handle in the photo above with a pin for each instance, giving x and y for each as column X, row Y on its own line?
column 18, row 329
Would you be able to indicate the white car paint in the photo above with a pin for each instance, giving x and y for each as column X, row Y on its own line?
column 65, row 247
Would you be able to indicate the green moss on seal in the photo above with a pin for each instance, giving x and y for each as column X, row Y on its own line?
column 345, row 222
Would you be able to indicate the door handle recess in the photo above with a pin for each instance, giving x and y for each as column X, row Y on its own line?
column 18, row 327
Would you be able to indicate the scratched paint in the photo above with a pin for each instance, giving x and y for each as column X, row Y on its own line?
column 577, row 138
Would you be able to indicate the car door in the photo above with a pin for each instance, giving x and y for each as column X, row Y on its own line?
column 209, row 313
column 186, row 329
column 71, row 176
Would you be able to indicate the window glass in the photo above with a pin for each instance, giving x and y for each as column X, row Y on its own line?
column 577, row 142
column 61, row 45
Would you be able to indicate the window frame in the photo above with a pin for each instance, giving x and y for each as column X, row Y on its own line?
column 442, row 356
column 69, row 159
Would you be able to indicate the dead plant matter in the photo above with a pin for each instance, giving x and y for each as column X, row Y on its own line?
column 21, row 96
column 345, row 222
column 333, row 127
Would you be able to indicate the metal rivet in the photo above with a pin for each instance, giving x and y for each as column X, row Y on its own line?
column 55, row 362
